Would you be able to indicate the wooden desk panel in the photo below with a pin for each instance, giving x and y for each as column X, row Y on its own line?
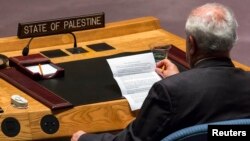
column 132, row 35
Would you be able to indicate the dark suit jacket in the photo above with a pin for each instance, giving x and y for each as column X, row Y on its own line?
column 212, row 91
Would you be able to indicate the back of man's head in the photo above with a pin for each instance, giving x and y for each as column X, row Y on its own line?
column 213, row 27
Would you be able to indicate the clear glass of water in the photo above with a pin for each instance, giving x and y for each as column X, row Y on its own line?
column 160, row 50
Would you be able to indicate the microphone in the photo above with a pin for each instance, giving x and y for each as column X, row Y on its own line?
column 75, row 43
column 26, row 49
column 4, row 61
column 75, row 49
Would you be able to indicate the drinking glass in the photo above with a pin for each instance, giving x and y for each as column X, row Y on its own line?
column 160, row 50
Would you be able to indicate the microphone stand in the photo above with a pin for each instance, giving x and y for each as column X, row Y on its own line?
column 75, row 49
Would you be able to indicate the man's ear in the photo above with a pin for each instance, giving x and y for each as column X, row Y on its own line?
column 193, row 46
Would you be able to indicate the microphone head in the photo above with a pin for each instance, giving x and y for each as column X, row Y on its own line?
column 25, row 51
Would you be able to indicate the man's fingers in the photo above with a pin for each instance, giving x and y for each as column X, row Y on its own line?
column 77, row 135
column 159, row 72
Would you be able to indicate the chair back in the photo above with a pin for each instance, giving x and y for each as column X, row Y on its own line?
column 199, row 132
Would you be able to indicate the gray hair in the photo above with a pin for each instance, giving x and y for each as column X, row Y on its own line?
column 213, row 26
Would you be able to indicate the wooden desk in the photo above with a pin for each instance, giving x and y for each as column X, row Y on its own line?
column 131, row 35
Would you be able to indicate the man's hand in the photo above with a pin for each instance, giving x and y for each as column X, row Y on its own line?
column 77, row 135
column 166, row 68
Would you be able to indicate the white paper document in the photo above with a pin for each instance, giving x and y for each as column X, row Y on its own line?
column 135, row 76
column 44, row 69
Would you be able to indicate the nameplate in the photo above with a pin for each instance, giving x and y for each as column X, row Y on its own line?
column 59, row 26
